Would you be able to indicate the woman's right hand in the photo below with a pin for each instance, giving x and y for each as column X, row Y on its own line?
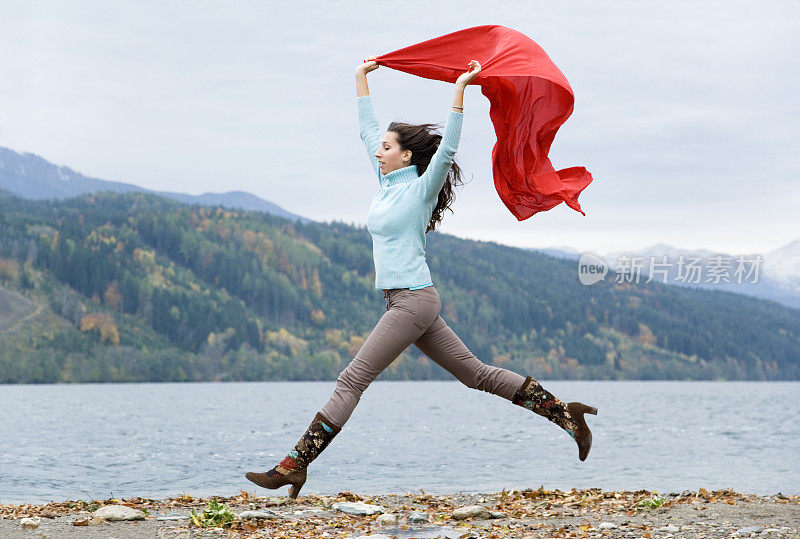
column 369, row 65
column 465, row 78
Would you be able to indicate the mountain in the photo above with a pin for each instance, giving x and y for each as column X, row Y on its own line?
column 29, row 176
column 567, row 253
column 778, row 277
column 783, row 266
column 136, row 287
column 775, row 277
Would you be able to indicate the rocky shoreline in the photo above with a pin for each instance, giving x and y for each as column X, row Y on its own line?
column 517, row 514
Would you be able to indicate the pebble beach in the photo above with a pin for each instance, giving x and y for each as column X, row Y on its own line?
column 517, row 513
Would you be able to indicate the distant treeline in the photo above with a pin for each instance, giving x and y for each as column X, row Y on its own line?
column 134, row 287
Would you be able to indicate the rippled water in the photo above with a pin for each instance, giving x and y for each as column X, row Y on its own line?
column 157, row 440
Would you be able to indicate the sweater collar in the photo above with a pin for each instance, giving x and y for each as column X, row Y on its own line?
column 401, row 175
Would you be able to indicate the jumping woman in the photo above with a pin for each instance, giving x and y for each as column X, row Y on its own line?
column 416, row 175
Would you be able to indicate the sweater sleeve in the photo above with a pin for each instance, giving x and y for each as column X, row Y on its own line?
column 435, row 175
column 370, row 132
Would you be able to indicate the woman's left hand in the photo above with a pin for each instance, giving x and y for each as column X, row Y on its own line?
column 465, row 78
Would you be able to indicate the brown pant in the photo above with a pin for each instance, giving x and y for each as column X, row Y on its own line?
column 412, row 317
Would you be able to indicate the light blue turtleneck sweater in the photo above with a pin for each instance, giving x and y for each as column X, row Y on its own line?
column 402, row 208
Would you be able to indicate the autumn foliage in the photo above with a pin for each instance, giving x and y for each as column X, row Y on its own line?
column 104, row 323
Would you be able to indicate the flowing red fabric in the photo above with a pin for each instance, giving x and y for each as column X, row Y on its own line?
column 530, row 99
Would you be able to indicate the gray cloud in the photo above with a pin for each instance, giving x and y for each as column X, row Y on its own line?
column 686, row 113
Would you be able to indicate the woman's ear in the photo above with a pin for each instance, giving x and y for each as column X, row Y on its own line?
column 407, row 156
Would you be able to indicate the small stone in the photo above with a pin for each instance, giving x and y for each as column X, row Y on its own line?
column 746, row 531
column 671, row 528
column 373, row 536
column 262, row 513
column 30, row 523
column 88, row 521
column 387, row 519
column 418, row 516
column 119, row 512
column 497, row 514
column 471, row 511
column 357, row 508
column 305, row 512
column 607, row 526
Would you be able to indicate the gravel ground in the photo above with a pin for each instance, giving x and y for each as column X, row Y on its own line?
column 527, row 513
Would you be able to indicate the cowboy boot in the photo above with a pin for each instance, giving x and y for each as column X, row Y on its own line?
column 532, row 396
column 292, row 469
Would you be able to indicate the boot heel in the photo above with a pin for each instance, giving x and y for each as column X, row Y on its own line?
column 582, row 435
column 294, row 490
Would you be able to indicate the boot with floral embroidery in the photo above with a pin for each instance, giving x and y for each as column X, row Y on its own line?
column 292, row 469
column 532, row 396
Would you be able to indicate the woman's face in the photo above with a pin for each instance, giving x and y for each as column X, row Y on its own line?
column 390, row 156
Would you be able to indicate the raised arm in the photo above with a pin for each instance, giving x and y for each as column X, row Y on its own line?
column 442, row 160
column 367, row 121
column 362, row 88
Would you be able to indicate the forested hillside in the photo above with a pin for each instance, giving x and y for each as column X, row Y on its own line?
column 134, row 287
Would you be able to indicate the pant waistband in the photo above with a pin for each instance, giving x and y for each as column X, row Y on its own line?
column 387, row 290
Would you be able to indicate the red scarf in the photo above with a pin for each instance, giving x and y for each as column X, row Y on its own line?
column 530, row 99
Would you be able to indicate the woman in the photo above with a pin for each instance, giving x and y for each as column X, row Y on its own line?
column 416, row 175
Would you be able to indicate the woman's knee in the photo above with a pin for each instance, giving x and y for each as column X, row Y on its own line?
column 355, row 377
column 479, row 375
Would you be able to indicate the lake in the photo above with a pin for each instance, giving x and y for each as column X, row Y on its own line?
column 98, row 441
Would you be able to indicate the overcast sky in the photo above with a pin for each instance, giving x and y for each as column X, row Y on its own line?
column 687, row 114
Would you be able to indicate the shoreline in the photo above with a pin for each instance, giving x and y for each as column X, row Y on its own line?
column 516, row 513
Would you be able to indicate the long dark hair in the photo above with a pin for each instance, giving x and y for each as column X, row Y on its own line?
column 423, row 141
